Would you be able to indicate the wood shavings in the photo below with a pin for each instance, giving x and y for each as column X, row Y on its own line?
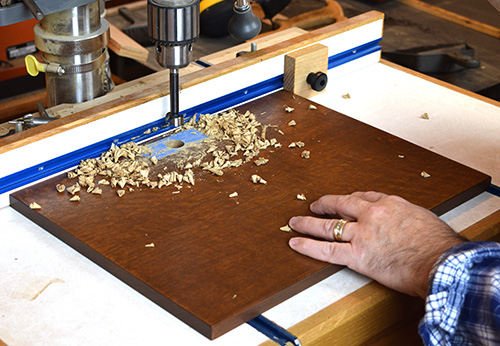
column 147, row 132
column 257, row 179
column 346, row 96
column 75, row 198
column 60, row 187
column 312, row 107
column 401, row 156
column 73, row 189
column 189, row 177
column 125, row 165
column 296, row 144
column 301, row 197
column 234, row 194
column 425, row 116
column 150, row 245
column 281, row 132
column 261, row 161
column 246, row 135
column 35, row 206
column 236, row 139
column 292, row 123
column 305, row 154
column 425, row 175
column 288, row 109
column 285, row 228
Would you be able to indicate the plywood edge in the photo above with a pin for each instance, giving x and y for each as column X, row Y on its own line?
column 158, row 86
column 441, row 83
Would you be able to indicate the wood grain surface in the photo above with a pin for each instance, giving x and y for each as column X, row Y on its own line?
column 218, row 262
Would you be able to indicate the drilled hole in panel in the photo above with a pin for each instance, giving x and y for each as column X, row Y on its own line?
column 175, row 143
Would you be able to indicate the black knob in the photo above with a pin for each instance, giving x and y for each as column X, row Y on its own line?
column 244, row 25
column 318, row 80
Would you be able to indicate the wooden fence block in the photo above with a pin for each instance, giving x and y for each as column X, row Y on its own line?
column 299, row 64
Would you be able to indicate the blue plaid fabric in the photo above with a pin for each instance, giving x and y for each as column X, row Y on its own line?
column 463, row 302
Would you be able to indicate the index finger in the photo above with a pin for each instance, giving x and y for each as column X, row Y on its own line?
column 347, row 206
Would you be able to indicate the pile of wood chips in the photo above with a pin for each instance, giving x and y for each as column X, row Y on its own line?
column 241, row 136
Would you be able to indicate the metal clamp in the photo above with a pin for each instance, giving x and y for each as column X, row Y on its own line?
column 86, row 67
column 274, row 332
column 29, row 121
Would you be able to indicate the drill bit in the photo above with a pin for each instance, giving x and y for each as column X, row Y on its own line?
column 175, row 118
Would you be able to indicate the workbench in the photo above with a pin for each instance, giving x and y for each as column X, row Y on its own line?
column 53, row 295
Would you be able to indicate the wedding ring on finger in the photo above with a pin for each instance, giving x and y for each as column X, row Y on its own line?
column 339, row 228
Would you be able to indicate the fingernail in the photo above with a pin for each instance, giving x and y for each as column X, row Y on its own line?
column 293, row 220
column 293, row 242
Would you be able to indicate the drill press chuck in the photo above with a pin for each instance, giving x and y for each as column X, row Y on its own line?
column 174, row 25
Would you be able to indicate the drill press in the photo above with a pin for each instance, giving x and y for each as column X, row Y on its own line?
column 175, row 24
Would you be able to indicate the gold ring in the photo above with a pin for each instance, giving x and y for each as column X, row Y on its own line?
column 339, row 227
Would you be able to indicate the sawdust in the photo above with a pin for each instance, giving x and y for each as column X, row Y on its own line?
column 234, row 139
column 35, row 206
column 285, row 228
column 301, row 197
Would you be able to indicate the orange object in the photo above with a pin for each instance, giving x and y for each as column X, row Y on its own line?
column 13, row 47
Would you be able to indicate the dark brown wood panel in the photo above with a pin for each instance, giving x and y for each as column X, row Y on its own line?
column 219, row 261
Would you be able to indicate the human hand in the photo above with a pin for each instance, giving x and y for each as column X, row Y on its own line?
column 388, row 238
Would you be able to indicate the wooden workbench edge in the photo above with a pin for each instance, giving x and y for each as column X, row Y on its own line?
column 356, row 318
column 155, row 86
column 485, row 229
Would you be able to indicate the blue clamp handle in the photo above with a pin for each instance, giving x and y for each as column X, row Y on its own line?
column 274, row 332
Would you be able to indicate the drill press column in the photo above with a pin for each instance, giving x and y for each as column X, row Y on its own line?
column 174, row 25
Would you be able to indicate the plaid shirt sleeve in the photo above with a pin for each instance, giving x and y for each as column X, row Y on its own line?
column 463, row 302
